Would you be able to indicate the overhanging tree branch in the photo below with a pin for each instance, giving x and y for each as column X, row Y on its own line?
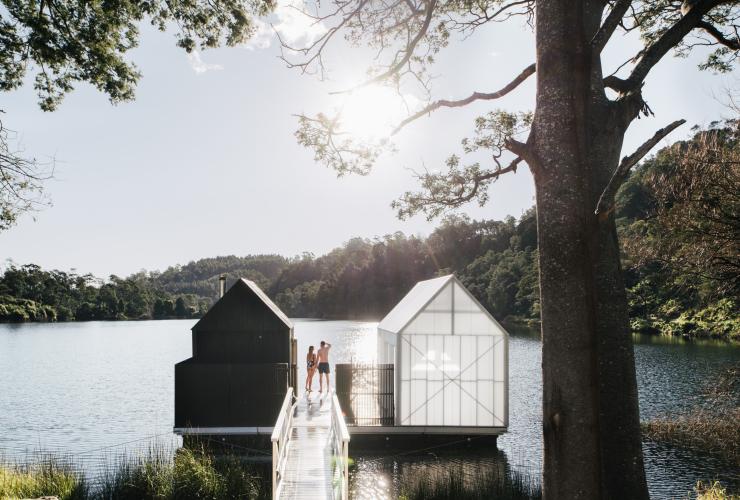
column 719, row 36
column 655, row 52
column 408, row 51
column 606, row 200
column 444, row 191
column 610, row 24
column 21, row 181
column 475, row 96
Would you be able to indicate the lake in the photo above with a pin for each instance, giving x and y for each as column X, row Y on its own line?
column 92, row 390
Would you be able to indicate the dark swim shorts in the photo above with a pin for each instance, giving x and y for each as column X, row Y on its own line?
column 324, row 368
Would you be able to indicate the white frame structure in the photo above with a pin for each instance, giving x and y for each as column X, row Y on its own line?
column 451, row 360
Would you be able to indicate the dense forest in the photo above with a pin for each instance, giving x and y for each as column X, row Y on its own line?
column 678, row 217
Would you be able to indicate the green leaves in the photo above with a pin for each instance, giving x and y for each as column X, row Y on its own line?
column 336, row 148
column 66, row 42
column 459, row 184
column 654, row 19
column 494, row 128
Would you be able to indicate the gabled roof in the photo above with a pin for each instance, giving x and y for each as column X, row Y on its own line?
column 262, row 295
column 241, row 287
column 414, row 301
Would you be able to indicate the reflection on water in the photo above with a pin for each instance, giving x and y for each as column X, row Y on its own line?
column 95, row 389
column 378, row 476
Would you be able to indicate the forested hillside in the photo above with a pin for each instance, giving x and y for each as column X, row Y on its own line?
column 677, row 216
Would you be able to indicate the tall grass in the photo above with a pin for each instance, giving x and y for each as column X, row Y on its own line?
column 47, row 476
column 155, row 474
column 713, row 491
column 454, row 483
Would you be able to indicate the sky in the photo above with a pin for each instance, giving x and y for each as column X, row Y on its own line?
column 204, row 162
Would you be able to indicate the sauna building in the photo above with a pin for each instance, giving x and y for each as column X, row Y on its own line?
column 241, row 368
column 450, row 361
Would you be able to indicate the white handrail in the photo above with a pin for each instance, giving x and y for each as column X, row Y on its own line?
column 340, row 449
column 280, row 438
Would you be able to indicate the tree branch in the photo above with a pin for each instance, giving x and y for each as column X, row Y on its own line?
column 442, row 192
column 610, row 24
column 719, row 36
column 655, row 52
column 606, row 200
column 408, row 51
column 477, row 181
column 475, row 96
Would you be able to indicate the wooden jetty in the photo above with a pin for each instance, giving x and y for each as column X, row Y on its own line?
column 310, row 445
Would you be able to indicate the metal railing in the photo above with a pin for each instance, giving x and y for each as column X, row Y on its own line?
column 280, row 438
column 366, row 394
column 340, row 451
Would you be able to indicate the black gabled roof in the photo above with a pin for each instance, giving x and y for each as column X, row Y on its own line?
column 244, row 293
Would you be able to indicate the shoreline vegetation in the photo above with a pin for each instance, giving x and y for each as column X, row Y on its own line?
column 188, row 474
column 679, row 255
column 158, row 473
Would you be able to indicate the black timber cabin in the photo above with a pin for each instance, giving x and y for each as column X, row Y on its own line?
column 243, row 363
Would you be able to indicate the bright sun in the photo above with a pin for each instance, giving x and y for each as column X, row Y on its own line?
column 371, row 112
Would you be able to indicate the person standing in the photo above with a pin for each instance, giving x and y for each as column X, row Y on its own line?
column 323, row 358
column 310, row 368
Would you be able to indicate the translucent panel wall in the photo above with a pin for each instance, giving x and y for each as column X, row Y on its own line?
column 451, row 367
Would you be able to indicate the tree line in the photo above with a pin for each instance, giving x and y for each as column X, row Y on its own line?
column 29, row 293
column 677, row 215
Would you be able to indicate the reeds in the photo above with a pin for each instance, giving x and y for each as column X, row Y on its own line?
column 47, row 476
column 713, row 491
column 711, row 433
column 713, row 426
column 454, row 483
column 154, row 474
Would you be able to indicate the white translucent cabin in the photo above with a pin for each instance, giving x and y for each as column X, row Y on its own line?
column 450, row 357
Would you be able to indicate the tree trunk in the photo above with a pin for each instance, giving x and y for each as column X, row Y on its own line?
column 623, row 472
column 565, row 225
column 590, row 409
column 622, row 460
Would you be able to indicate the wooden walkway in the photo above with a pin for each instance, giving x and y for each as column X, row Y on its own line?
column 308, row 469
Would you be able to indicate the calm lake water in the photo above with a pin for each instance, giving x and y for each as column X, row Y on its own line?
column 94, row 390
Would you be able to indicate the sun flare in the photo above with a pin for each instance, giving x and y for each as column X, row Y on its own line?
column 371, row 112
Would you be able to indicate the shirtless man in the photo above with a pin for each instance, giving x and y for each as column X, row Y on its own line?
column 323, row 359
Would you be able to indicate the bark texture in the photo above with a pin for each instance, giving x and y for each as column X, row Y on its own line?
column 569, row 358
column 591, row 421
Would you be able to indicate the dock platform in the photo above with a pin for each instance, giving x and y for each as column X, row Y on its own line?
column 307, row 471
column 310, row 449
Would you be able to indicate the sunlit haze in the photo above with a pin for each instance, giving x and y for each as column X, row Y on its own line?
column 205, row 162
column 372, row 112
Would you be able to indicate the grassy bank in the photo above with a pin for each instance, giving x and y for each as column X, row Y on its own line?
column 153, row 475
column 456, row 484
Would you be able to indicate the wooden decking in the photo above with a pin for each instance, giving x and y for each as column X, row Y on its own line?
column 308, row 469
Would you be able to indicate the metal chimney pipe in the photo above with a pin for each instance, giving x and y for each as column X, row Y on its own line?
column 221, row 285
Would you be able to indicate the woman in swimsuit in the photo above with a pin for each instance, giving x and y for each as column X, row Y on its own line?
column 310, row 368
